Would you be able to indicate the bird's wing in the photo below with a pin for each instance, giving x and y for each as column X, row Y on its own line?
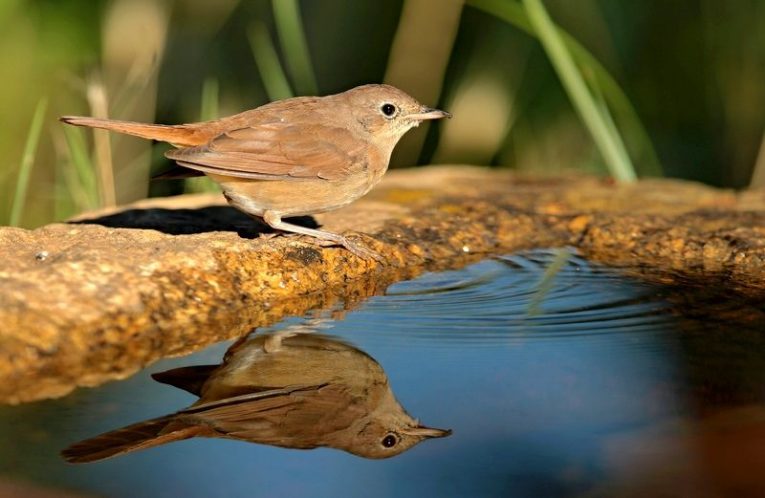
column 277, row 414
column 249, row 402
column 276, row 151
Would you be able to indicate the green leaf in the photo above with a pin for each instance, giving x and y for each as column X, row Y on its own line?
column 270, row 69
column 289, row 26
column 27, row 161
column 515, row 14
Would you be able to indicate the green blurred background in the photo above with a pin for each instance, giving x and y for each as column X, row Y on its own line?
column 687, row 93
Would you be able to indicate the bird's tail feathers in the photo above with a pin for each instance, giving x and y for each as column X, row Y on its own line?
column 178, row 135
column 131, row 438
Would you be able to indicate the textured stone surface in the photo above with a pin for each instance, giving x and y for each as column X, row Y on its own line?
column 99, row 298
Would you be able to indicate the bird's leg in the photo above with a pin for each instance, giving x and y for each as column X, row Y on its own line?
column 273, row 342
column 275, row 221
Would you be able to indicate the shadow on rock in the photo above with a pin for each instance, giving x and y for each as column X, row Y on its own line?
column 191, row 221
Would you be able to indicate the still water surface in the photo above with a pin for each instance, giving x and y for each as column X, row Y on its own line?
column 597, row 386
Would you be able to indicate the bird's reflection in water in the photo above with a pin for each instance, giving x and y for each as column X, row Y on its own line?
column 289, row 389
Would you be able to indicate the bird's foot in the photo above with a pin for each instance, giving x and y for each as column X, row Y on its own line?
column 322, row 238
column 356, row 247
column 361, row 250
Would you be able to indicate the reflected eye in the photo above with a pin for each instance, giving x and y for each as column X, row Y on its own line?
column 389, row 441
column 388, row 109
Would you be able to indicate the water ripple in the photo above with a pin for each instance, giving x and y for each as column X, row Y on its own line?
column 517, row 297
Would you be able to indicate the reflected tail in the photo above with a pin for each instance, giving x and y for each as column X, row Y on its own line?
column 131, row 438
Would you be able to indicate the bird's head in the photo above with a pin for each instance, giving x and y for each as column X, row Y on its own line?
column 386, row 112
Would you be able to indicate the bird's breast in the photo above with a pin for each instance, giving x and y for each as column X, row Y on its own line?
column 377, row 160
column 292, row 197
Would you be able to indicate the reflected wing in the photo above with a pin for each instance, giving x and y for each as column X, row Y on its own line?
column 277, row 150
column 249, row 403
column 293, row 416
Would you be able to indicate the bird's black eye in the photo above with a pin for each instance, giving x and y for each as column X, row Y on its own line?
column 389, row 441
column 388, row 109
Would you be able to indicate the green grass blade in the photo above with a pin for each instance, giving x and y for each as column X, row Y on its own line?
column 606, row 139
column 209, row 109
column 510, row 12
column 602, row 105
column 80, row 172
column 515, row 14
column 613, row 96
column 289, row 26
column 270, row 69
column 72, row 191
column 27, row 161
column 210, row 105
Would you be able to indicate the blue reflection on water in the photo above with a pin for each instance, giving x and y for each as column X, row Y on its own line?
column 530, row 398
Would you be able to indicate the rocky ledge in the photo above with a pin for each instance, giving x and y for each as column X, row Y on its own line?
column 102, row 296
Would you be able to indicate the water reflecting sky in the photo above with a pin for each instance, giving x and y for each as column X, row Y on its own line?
column 603, row 380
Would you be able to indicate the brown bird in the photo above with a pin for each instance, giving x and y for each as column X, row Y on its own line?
column 294, row 391
column 294, row 157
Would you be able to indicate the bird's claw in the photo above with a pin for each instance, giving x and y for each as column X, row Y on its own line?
column 361, row 250
column 357, row 248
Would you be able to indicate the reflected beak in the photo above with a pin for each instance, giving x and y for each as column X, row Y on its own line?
column 428, row 113
column 426, row 432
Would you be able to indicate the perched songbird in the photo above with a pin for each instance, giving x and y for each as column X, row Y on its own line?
column 295, row 391
column 293, row 157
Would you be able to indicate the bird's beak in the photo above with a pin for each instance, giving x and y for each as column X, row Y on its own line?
column 428, row 113
column 426, row 432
